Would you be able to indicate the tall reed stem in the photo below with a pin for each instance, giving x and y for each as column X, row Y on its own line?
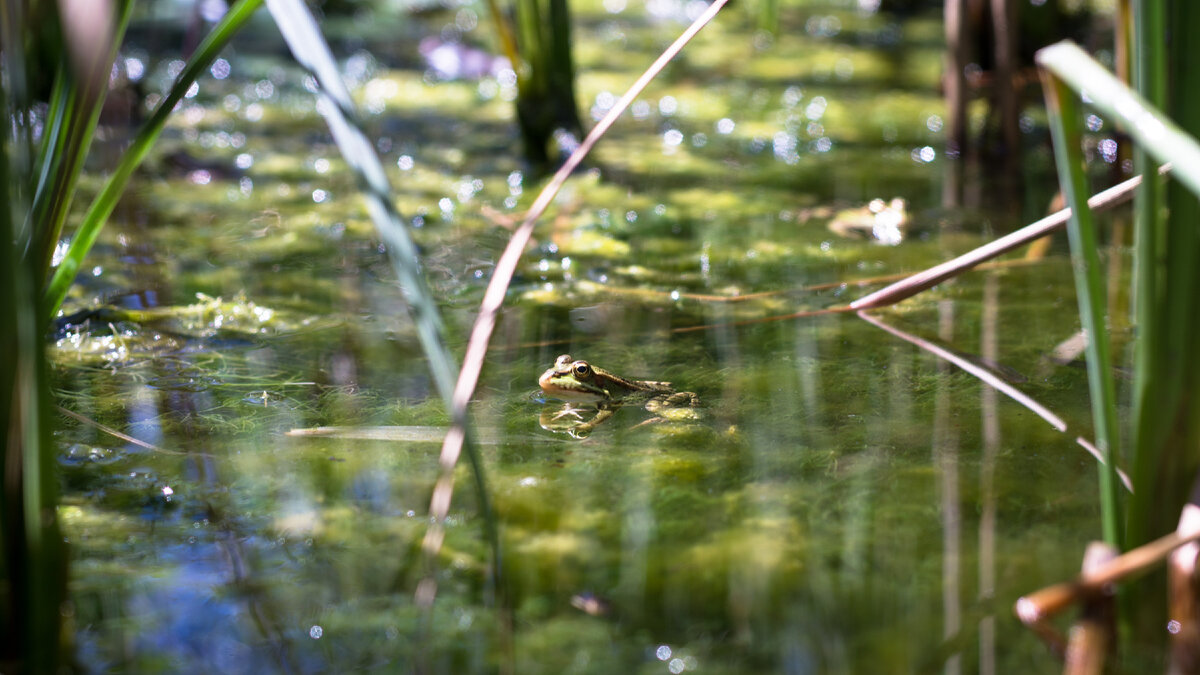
column 1089, row 288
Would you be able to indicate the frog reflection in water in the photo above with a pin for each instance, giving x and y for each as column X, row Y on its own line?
column 582, row 383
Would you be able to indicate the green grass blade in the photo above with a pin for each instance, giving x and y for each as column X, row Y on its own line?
column 504, row 33
column 1089, row 285
column 1166, row 432
column 1161, row 137
column 310, row 49
column 531, row 76
column 47, row 163
column 104, row 203
column 768, row 16
column 75, row 110
column 1149, row 241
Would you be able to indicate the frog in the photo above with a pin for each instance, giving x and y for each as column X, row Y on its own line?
column 580, row 383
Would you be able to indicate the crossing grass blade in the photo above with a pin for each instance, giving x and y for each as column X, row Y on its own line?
column 304, row 38
column 1149, row 127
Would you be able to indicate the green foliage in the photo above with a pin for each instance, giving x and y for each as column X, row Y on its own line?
column 1165, row 429
column 75, row 103
column 1166, row 432
column 1165, row 441
column 104, row 203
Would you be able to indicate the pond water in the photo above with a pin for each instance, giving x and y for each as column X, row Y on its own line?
column 840, row 501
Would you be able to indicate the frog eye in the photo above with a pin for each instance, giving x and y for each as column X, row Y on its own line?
column 582, row 369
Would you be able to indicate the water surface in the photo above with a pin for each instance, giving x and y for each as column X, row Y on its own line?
column 845, row 503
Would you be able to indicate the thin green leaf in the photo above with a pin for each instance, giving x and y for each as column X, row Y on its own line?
column 104, row 203
column 46, row 164
column 504, row 32
column 1089, row 287
column 1149, row 240
column 75, row 112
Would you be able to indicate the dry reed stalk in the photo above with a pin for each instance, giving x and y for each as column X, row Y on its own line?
column 1042, row 604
